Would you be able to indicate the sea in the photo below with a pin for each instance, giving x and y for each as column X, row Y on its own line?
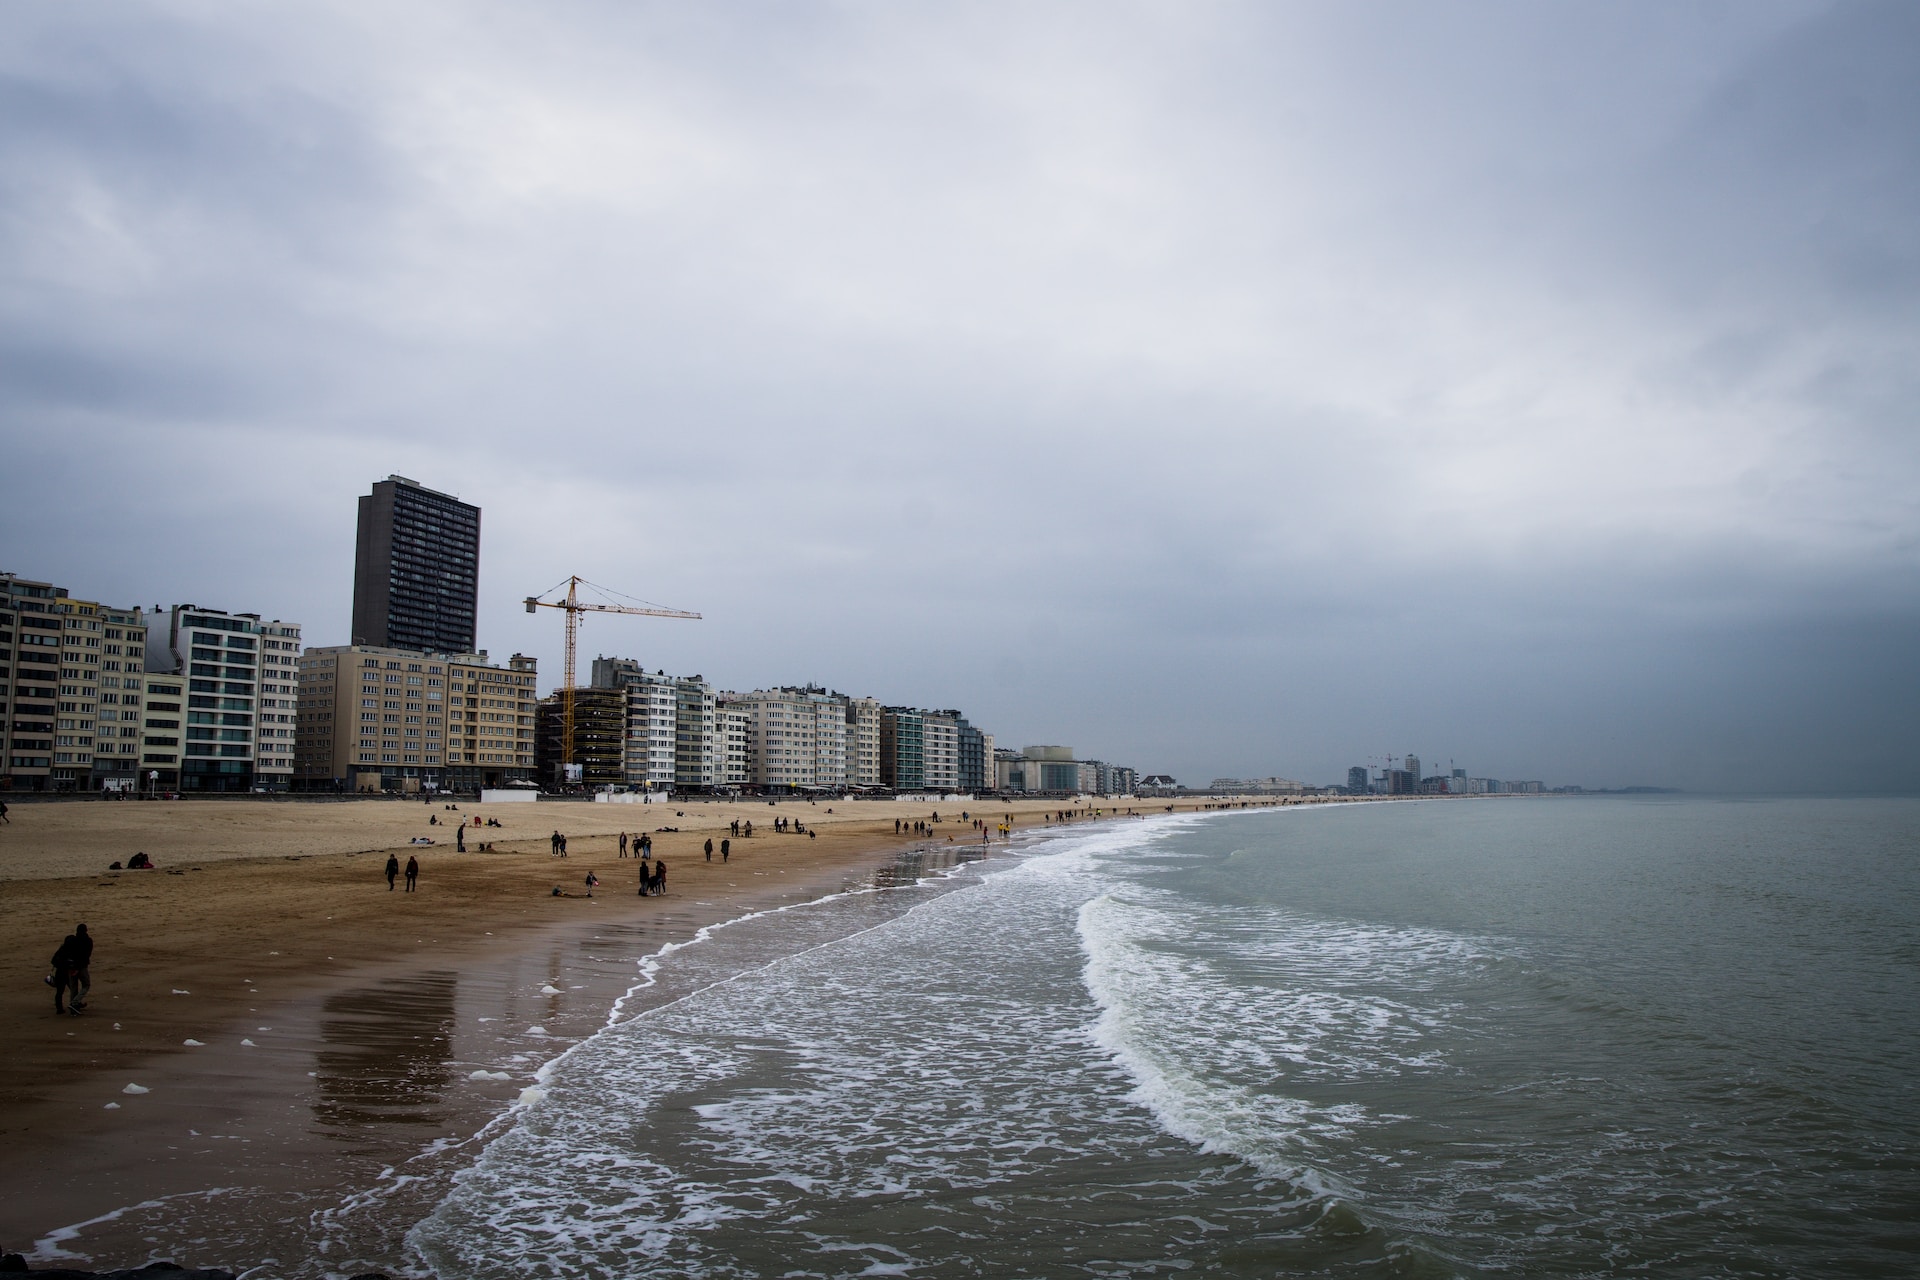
column 1667, row 1036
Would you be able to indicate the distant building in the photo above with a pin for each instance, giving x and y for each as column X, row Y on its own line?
column 70, row 681
column 1357, row 780
column 940, row 750
column 242, row 678
column 598, row 742
column 1042, row 768
column 1158, row 784
column 373, row 718
column 863, row 742
column 673, row 730
column 416, row 569
column 902, row 749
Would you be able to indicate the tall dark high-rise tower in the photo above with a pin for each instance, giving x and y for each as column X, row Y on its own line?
column 416, row 569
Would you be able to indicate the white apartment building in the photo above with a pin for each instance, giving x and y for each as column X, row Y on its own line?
column 673, row 730
column 940, row 751
column 733, row 732
column 229, row 744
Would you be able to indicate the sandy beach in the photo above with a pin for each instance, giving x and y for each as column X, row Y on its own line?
column 267, row 934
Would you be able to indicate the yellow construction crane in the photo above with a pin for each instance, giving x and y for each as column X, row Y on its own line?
column 573, row 608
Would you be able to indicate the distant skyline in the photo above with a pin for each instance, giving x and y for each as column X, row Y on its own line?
column 1220, row 389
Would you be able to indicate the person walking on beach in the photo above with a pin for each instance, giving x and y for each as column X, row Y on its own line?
column 393, row 870
column 623, row 844
column 709, row 851
column 3, row 813
column 554, row 844
column 726, row 848
column 70, row 963
column 646, row 846
column 413, row 872
column 660, row 875
column 460, row 838
column 593, row 882
column 563, row 846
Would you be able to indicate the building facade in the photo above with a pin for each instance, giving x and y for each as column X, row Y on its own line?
column 232, row 737
column 416, row 569
column 863, row 742
column 599, row 739
column 52, row 649
column 902, row 749
column 940, row 750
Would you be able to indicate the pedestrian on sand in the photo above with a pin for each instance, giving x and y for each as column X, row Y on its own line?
column 70, row 976
column 726, row 847
column 660, row 875
column 413, row 872
column 709, row 851
column 623, row 844
column 593, row 882
column 460, row 838
column 393, row 870
column 3, row 813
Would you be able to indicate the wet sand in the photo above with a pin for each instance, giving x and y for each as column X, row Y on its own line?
column 270, row 922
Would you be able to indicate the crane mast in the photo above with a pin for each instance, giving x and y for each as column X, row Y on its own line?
column 573, row 607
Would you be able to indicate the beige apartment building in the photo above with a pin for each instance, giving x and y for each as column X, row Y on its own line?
column 51, row 647
column 379, row 719
column 940, row 750
column 863, row 742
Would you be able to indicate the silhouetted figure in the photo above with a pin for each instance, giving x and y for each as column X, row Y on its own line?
column 393, row 870
column 413, row 873
column 726, row 847
column 709, row 851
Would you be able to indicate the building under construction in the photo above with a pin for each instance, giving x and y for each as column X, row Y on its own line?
column 599, row 731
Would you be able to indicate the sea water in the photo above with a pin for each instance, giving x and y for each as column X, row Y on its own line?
column 1532, row 1036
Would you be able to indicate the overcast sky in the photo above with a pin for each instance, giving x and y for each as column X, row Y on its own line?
column 1216, row 389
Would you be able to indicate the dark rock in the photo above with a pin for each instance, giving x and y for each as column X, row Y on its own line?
column 372, row 1275
column 13, row 1262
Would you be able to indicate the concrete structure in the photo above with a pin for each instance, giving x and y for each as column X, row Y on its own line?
column 733, row 734
column 416, row 569
column 1043, row 768
column 902, row 749
column 599, row 737
column 673, row 728
column 863, row 742
column 796, row 737
column 52, row 651
column 940, row 749
column 238, row 736
column 976, row 756
column 1357, row 780
column 490, row 720
column 119, row 712
column 374, row 718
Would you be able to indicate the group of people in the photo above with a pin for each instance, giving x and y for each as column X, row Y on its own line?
column 726, row 849
column 739, row 828
column 559, row 843
column 653, row 878
column 641, row 844
column 393, row 871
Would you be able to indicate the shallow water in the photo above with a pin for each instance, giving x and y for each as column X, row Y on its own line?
column 1554, row 1037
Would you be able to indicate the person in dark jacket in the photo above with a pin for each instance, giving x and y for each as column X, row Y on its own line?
column 413, row 873
column 393, row 870
column 71, row 976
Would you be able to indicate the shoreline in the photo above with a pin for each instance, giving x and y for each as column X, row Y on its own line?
column 294, row 1101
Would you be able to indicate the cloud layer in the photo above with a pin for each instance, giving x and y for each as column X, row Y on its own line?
column 1216, row 388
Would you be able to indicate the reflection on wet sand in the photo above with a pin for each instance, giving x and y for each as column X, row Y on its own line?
column 915, row 864
column 384, row 1055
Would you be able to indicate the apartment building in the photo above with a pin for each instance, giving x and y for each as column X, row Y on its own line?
column 416, row 569
column 694, row 748
column 733, row 733
column 1044, row 768
column 863, row 742
column 232, row 738
column 52, row 649
column 672, row 737
column 796, row 737
column 119, row 708
column 490, row 720
column 902, row 746
column 940, row 750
